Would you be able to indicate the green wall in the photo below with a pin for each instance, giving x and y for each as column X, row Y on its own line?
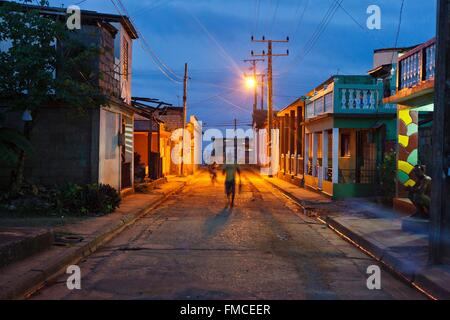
column 342, row 191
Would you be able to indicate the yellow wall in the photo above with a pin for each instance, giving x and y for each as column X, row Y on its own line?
column 348, row 163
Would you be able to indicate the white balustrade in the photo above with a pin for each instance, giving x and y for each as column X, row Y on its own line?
column 359, row 99
column 344, row 99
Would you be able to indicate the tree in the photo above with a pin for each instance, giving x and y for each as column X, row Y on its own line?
column 44, row 65
column 12, row 143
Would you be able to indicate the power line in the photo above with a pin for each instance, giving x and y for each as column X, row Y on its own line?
column 359, row 24
column 274, row 16
column 398, row 30
column 146, row 47
column 213, row 97
column 305, row 7
column 258, row 8
column 319, row 30
column 234, row 105
column 150, row 7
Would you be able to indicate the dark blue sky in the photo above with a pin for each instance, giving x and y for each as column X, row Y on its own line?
column 214, row 36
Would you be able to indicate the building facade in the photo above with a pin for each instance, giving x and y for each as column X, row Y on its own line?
column 347, row 128
column 98, row 146
column 291, row 129
column 414, row 94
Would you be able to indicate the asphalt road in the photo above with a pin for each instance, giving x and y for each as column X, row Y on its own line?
column 192, row 247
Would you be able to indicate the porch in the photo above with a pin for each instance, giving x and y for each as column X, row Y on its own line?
column 342, row 162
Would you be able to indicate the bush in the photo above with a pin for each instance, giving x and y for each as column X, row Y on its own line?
column 96, row 199
column 70, row 199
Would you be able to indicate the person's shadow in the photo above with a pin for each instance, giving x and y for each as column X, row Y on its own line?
column 216, row 223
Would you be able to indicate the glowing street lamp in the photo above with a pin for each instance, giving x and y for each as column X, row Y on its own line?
column 250, row 82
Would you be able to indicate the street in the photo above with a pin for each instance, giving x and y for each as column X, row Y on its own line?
column 191, row 247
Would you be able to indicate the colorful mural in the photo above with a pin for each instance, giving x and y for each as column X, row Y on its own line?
column 408, row 143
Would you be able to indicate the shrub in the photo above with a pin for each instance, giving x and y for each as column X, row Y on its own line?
column 70, row 199
column 101, row 198
column 96, row 199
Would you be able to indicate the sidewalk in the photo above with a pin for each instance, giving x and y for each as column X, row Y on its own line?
column 78, row 240
column 376, row 230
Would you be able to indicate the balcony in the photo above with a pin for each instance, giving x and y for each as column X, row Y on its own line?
column 349, row 98
column 417, row 65
column 415, row 76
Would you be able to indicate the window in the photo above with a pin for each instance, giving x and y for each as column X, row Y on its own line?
column 319, row 106
column 329, row 102
column 345, row 145
column 125, row 70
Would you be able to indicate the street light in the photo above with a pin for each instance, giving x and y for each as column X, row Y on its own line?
column 250, row 82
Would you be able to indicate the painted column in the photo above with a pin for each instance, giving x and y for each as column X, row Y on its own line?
column 324, row 154
column 408, row 143
column 293, row 142
column 335, row 155
column 287, row 142
column 315, row 145
column 306, row 156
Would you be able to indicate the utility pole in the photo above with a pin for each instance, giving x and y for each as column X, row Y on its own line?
column 262, row 90
column 440, row 195
column 253, row 63
column 235, row 141
column 269, row 56
column 185, row 82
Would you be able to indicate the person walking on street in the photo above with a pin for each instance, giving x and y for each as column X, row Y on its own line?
column 230, row 170
column 213, row 173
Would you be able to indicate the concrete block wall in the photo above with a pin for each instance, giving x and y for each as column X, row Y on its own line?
column 62, row 143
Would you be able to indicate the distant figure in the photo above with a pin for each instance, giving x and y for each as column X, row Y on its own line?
column 419, row 194
column 213, row 172
column 230, row 170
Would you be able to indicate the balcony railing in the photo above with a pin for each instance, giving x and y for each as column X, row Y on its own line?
column 350, row 98
column 359, row 99
column 417, row 65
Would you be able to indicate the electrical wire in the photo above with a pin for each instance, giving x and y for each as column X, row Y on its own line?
column 305, row 7
column 320, row 29
column 234, row 105
column 315, row 38
column 258, row 8
column 153, row 53
column 359, row 24
column 146, row 47
column 397, row 36
column 277, row 5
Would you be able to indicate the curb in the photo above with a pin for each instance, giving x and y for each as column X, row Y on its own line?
column 26, row 247
column 399, row 267
column 31, row 284
column 396, row 266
